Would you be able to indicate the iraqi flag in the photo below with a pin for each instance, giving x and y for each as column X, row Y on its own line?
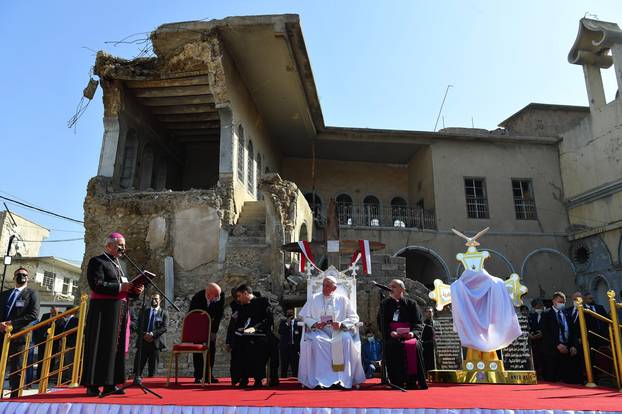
column 365, row 256
column 306, row 255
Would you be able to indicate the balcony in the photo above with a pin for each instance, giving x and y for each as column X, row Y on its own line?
column 371, row 215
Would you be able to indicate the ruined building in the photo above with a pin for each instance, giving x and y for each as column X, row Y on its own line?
column 215, row 153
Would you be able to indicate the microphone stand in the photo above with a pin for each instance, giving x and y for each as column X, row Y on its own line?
column 137, row 380
column 385, row 377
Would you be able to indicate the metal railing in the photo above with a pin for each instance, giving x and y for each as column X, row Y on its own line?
column 373, row 215
column 69, row 358
column 611, row 348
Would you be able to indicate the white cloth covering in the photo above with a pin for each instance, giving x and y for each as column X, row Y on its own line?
column 316, row 357
column 483, row 313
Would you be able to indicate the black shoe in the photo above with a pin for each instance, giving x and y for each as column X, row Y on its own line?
column 273, row 383
column 243, row 384
column 423, row 386
column 257, row 384
column 197, row 380
column 92, row 391
column 214, row 380
column 113, row 390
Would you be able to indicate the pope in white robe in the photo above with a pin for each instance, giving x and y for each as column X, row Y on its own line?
column 329, row 353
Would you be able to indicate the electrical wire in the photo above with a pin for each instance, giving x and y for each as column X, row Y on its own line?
column 41, row 210
column 52, row 241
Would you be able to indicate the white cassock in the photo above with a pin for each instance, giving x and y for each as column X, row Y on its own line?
column 483, row 313
column 330, row 357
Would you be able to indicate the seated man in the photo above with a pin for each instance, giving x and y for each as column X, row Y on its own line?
column 400, row 321
column 250, row 342
column 372, row 354
column 328, row 354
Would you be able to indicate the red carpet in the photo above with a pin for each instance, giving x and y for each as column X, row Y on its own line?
column 289, row 394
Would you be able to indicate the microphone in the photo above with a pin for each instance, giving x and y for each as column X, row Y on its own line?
column 383, row 287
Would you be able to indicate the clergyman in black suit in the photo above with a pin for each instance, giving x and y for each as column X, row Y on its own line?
column 19, row 307
column 212, row 300
column 154, row 321
column 559, row 343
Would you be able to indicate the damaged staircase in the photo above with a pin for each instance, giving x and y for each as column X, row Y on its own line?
column 248, row 253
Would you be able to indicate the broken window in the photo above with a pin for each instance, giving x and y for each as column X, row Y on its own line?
column 250, row 169
column 241, row 153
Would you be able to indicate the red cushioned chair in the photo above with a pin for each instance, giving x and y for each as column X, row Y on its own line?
column 195, row 336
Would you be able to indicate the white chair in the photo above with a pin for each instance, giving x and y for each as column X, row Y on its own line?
column 346, row 286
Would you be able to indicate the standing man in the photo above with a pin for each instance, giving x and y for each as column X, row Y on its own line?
column 66, row 324
column 400, row 320
column 40, row 335
column 212, row 300
column 535, row 334
column 154, row 321
column 19, row 307
column 427, row 339
column 559, row 347
column 289, row 343
column 107, row 324
column 250, row 343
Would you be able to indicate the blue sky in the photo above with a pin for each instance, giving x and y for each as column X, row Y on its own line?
column 378, row 64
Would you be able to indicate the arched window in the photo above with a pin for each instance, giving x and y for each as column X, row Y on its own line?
column 302, row 235
column 241, row 153
column 250, row 168
column 399, row 211
column 315, row 203
column 344, row 209
column 129, row 160
column 371, row 210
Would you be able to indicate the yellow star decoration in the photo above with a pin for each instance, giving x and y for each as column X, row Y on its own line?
column 441, row 294
column 515, row 289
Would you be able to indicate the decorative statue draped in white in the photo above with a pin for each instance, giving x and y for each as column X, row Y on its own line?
column 329, row 353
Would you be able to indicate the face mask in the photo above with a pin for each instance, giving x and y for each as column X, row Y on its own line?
column 21, row 279
column 538, row 311
column 154, row 303
column 560, row 306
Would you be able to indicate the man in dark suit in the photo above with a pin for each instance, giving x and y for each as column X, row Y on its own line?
column 212, row 300
column 289, row 343
column 65, row 325
column 19, row 307
column 152, row 321
column 559, row 343
column 40, row 335
column 535, row 334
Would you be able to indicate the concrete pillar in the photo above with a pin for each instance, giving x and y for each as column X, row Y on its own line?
column 169, row 278
column 616, row 53
column 110, row 145
column 594, row 84
column 226, row 142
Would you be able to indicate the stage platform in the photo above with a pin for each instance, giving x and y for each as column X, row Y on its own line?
column 289, row 398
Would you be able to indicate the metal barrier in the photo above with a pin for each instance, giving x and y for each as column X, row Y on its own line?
column 73, row 363
column 614, row 342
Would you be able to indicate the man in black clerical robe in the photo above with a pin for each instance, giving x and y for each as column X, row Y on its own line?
column 250, row 340
column 211, row 300
column 400, row 321
column 107, row 324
